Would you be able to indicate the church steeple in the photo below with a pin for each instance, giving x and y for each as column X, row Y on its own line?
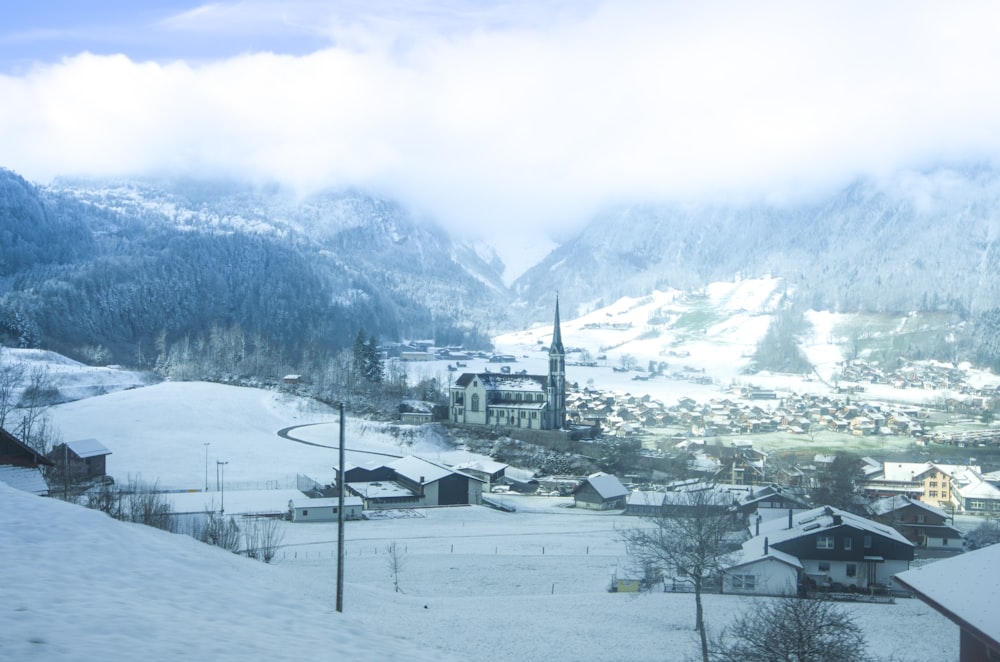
column 557, row 344
column 556, row 386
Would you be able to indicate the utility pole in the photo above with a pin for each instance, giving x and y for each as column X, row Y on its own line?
column 207, row 444
column 222, row 483
column 340, row 517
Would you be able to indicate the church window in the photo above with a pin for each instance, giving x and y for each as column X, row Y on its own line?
column 475, row 402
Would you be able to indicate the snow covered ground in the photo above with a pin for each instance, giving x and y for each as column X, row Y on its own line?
column 525, row 585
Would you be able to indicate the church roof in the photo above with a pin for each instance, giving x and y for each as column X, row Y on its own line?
column 499, row 381
column 557, row 343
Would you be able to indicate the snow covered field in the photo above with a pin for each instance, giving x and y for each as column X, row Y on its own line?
column 525, row 585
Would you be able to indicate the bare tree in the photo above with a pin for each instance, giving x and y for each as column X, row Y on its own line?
column 691, row 540
column 40, row 392
column 262, row 538
column 11, row 377
column 221, row 532
column 397, row 561
column 792, row 630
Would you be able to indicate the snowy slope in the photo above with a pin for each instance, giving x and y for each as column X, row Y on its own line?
column 80, row 586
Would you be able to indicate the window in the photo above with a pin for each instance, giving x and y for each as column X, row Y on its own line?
column 944, row 541
column 305, row 512
column 824, row 542
column 852, row 569
column 824, row 566
column 921, row 519
column 848, row 544
column 868, row 542
column 933, row 493
column 745, row 581
column 475, row 402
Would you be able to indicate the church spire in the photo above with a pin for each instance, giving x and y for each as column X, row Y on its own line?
column 557, row 344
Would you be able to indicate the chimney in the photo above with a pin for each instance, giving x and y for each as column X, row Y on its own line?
column 757, row 530
column 789, row 518
column 765, row 546
column 421, row 480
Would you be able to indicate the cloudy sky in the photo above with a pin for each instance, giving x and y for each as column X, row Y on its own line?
column 501, row 116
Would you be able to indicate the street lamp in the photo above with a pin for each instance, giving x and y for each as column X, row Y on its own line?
column 207, row 444
column 222, row 483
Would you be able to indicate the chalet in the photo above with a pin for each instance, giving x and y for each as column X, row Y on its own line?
column 963, row 589
column 833, row 547
column 324, row 510
column 600, row 491
column 85, row 459
column 920, row 523
column 974, row 493
column 413, row 482
column 21, row 465
column 514, row 400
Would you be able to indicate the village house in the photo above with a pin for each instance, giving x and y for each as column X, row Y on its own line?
column 515, row 400
column 920, row 523
column 931, row 482
column 821, row 548
column 21, row 465
column 600, row 491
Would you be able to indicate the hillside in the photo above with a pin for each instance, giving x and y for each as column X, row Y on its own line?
column 148, row 275
column 920, row 241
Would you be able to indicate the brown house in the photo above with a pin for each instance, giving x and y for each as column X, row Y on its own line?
column 85, row 458
column 21, row 465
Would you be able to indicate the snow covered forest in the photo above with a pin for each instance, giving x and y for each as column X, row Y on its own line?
column 243, row 277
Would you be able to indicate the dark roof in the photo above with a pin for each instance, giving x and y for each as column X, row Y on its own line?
column 15, row 452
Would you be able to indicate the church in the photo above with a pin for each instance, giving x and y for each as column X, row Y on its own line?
column 515, row 401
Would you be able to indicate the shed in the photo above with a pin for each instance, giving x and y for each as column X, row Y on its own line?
column 324, row 510
column 20, row 465
column 600, row 491
column 85, row 458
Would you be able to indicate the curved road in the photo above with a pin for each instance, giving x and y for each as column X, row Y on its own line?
column 284, row 434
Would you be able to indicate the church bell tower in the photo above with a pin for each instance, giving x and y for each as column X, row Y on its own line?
column 556, row 387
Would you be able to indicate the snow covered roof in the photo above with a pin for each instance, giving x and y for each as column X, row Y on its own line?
column 824, row 517
column 499, row 381
column 964, row 588
column 486, row 466
column 607, row 486
column 26, row 479
column 237, row 502
column 755, row 552
column 85, row 448
column 420, row 470
column 332, row 502
column 380, row 489
column 887, row 505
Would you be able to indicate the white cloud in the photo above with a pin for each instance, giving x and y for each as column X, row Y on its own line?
column 533, row 118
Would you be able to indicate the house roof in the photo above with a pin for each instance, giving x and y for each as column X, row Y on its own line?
column 607, row 486
column 26, row 479
column 326, row 502
column 15, row 452
column 755, row 553
column 486, row 466
column 380, row 489
column 85, row 448
column 423, row 471
column 964, row 588
column 819, row 519
column 889, row 504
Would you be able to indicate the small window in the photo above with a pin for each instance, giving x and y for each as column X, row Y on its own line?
column 921, row 519
column 745, row 581
column 944, row 541
column 824, row 542
column 848, row 544
column 868, row 542
column 852, row 569
column 824, row 566
column 305, row 512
